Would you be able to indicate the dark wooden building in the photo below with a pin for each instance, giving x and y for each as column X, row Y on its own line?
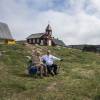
column 45, row 38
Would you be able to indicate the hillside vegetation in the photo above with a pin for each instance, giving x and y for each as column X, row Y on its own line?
column 79, row 77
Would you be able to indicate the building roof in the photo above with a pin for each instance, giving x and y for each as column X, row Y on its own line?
column 58, row 42
column 37, row 35
column 5, row 32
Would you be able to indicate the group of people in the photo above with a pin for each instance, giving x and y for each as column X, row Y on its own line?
column 44, row 63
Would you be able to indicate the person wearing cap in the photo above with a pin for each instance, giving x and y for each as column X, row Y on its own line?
column 49, row 60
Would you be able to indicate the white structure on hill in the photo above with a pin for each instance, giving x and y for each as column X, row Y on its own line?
column 5, row 34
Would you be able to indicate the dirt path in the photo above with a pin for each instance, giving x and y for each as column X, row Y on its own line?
column 51, row 87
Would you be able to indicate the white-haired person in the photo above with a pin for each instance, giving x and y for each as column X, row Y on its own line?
column 49, row 60
column 36, row 61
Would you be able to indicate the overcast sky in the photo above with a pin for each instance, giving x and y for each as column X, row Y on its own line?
column 73, row 21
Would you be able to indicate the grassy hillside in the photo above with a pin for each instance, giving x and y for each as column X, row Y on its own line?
column 79, row 77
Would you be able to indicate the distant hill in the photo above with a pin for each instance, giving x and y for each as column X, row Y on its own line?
column 21, row 41
column 79, row 77
column 84, row 45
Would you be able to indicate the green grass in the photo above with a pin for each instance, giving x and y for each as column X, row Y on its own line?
column 79, row 77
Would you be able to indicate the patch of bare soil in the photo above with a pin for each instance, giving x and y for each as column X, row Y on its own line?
column 51, row 87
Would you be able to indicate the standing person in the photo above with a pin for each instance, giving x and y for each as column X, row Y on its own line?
column 36, row 61
column 48, row 60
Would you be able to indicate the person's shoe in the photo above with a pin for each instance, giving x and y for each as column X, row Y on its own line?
column 56, row 73
column 52, row 73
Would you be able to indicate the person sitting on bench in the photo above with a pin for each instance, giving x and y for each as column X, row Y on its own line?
column 36, row 61
column 48, row 60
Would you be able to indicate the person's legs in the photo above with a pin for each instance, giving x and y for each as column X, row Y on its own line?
column 54, row 69
column 41, row 69
column 45, row 70
column 49, row 69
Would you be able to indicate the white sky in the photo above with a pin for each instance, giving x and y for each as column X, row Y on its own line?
column 73, row 21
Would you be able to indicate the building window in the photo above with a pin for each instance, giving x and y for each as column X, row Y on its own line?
column 41, row 42
column 33, row 40
column 38, row 41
